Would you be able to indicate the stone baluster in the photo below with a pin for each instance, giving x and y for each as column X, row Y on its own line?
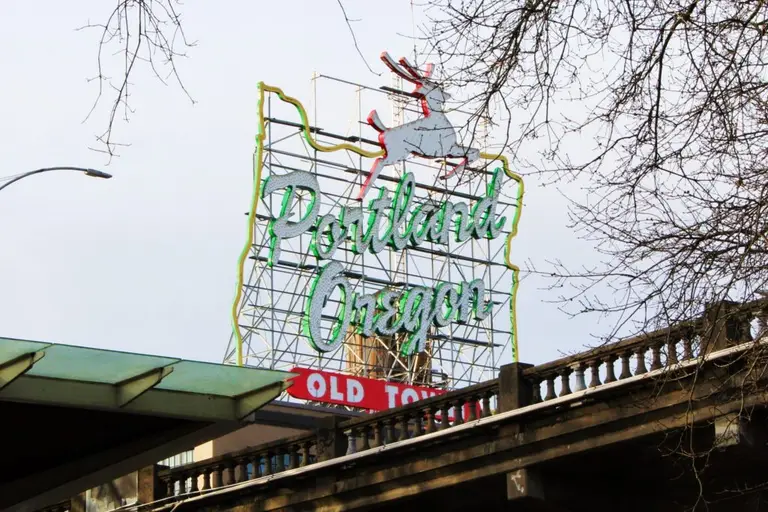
column 625, row 371
column 230, row 473
column 743, row 328
column 610, row 376
column 306, row 448
column 486, row 404
column 671, row 351
column 267, row 463
column 656, row 356
column 418, row 423
column 472, row 408
column 170, row 489
column 377, row 441
column 216, row 480
column 762, row 323
column 352, row 440
column 256, row 463
column 280, row 459
column 536, row 388
column 293, row 461
column 594, row 373
column 640, row 355
column 390, row 425
column 550, row 379
column 182, row 484
column 579, row 383
column 242, row 469
column 565, row 380
column 193, row 483
column 364, row 433
column 444, row 410
column 688, row 346
column 458, row 411
column 206, row 478
column 404, row 421
column 431, row 427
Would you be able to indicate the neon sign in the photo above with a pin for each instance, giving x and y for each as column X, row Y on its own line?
column 411, row 311
column 340, row 389
column 390, row 221
column 432, row 136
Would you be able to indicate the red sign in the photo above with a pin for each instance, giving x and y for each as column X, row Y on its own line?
column 371, row 394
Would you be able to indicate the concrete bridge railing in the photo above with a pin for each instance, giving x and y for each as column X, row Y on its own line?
column 519, row 385
column 723, row 324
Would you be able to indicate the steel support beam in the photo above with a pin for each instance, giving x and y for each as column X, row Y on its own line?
column 16, row 367
column 130, row 389
column 249, row 402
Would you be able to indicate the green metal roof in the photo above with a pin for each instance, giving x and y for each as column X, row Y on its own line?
column 33, row 371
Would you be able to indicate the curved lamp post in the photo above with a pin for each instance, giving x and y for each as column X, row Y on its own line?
column 88, row 172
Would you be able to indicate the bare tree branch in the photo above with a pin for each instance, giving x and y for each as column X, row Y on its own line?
column 659, row 110
column 139, row 31
column 354, row 38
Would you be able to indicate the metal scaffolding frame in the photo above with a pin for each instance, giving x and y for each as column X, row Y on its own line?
column 273, row 298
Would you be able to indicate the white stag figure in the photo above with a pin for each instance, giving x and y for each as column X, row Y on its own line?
column 432, row 136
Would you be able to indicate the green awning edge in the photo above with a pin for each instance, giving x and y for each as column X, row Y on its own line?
column 68, row 375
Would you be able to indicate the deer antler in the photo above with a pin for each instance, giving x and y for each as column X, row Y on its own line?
column 405, row 70
column 414, row 71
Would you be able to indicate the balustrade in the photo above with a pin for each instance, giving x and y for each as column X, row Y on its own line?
column 430, row 415
column 587, row 370
column 240, row 466
column 423, row 417
column 654, row 351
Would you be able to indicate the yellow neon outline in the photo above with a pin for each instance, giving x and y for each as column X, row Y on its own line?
column 256, row 192
column 308, row 134
column 508, row 246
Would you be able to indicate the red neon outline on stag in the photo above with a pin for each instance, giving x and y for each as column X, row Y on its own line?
column 437, row 132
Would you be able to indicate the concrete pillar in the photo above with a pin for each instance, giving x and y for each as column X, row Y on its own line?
column 149, row 487
column 724, row 327
column 527, row 490
column 514, row 390
column 728, row 430
column 734, row 429
column 331, row 440
column 524, row 484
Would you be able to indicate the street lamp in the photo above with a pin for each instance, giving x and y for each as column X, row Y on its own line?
column 88, row 172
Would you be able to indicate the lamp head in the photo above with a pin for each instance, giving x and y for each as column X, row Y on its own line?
column 97, row 174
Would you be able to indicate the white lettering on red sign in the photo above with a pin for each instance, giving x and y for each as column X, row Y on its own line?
column 371, row 394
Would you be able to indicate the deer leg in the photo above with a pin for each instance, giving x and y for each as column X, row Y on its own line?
column 465, row 154
column 378, row 165
column 451, row 172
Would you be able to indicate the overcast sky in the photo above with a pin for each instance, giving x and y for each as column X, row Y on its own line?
column 146, row 261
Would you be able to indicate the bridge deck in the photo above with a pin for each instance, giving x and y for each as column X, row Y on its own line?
column 611, row 441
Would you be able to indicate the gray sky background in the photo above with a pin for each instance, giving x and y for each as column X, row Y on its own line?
column 146, row 262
